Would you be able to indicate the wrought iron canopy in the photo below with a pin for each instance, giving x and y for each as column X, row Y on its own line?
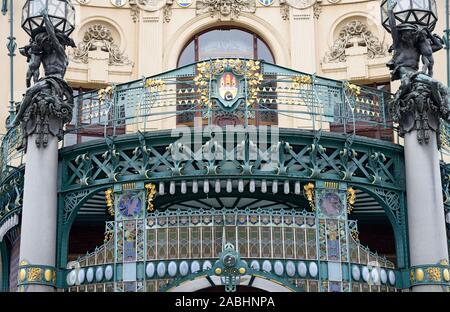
column 418, row 12
column 61, row 13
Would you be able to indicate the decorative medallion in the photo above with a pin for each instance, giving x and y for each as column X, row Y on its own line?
column 118, row 3
column 184, row 3
column 266, row 2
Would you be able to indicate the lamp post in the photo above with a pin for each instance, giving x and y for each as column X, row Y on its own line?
column 45, row 108
column 417, row 107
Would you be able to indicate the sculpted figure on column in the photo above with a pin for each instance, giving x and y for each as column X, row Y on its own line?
column 420, row 101
column 48, row 104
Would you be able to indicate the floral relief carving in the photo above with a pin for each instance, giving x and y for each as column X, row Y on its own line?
column 225, row 8
column 355, row 34
column 98, row 37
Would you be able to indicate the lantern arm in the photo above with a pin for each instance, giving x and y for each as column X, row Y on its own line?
column 50, row 29
column 392, row 23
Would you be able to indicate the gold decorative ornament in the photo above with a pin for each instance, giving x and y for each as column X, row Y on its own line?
column 242, row 270
column 23, row 262
column 218, row 271
column 129, row 186
column 434, row 274
column 331, row 185
column 254, row 79
column 202, row 80
column 446, row 275
column 155, row 85
column 34, row 274
column 308, row 191
column 351, row 199
column 105, row 94
column 443, row 262
column 352, row 89
column 151, row 193
column 299, row 81
column 48, row 275
column 109, row 201
column 22, row 275
column 419, row 275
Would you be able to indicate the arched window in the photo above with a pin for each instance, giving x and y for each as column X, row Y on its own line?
column 225, row 42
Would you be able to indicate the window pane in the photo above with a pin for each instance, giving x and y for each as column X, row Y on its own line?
column 188, row 55
column 220, row 43
column 264, row 52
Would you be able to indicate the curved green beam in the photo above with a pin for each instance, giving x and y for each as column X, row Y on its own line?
column 254, row 273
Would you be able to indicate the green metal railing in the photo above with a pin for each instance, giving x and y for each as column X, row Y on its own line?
column 177, row 97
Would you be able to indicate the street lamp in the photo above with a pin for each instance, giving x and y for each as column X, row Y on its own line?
column 60, row 12
column 416, row 12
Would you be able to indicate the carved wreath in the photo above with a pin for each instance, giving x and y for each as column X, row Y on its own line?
column 357, row 32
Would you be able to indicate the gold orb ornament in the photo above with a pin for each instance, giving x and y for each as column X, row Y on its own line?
column 446, row 274
column 218, row 271
column 419, row 275
column 242, row 270
column 48, row 275
column 22, row 275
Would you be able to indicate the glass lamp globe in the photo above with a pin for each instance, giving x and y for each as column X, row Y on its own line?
column 418, row 12
column 60, row 12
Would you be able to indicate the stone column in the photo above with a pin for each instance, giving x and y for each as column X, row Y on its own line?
column 426, row 219
column 38, row 237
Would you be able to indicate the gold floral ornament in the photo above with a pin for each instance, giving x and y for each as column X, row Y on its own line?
column 151, row 193
column 155, row 85
column 351, row 199
column 299, row 81
column 109, row 201
column 254, row 79
column 201, row 81
column 34, row 274
column 105, row 94
column 434, row 274
column 308, row 191
column 352, row 89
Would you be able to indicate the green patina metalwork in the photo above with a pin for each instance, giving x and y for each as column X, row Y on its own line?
column 4, row 253
column 11, row 191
